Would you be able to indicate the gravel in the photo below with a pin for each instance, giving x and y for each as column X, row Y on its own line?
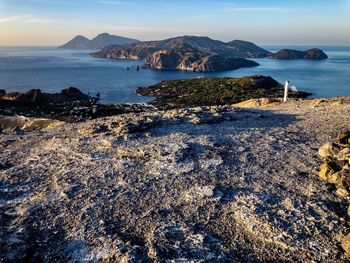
column 207, row 184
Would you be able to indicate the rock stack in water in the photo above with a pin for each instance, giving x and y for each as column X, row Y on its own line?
column 336, row 170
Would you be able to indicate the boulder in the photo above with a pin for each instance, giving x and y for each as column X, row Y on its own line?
column 345, row 179
column 71, row 91
column 345, row 243
column 34, row 95
column 344, row 155
column 344, row 137
column 11, row 96
column 328, row 150
column 328, row 170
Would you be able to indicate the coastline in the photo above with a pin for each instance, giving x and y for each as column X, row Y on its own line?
column 71, row 105
column 117, row 85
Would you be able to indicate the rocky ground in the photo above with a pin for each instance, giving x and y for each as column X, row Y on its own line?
column 207, row 184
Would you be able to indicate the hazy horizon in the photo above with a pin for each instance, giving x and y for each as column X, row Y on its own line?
column 266, row 22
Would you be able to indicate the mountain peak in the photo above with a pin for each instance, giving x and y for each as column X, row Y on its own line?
column 99, row 42
column 103, row 35
column 78, row 42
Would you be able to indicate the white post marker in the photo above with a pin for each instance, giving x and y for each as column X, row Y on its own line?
column 286, row 86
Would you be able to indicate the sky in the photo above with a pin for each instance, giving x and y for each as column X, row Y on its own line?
column 268, row 22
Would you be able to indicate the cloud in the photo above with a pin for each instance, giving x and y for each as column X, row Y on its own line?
column 259, row 9
column 6, row 19
column 27, row 18
column 40, row 20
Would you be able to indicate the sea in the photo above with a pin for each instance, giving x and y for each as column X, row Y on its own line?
column 51, row 69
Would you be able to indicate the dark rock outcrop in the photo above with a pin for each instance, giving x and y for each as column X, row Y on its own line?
column 313, row 54
column 70, row 105
column 35, row 96
column 214, row 91
column 99, row 42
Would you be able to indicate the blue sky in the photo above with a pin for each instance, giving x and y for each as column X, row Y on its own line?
column 52, row 22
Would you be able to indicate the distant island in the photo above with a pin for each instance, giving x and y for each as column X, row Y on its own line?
column 97, row 43
column 199, row 54
column 314, row 54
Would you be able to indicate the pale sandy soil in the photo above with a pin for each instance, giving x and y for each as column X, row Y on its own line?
column 218, row 184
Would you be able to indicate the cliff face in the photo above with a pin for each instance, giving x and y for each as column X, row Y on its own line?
column 218, row 63
column 312, row 54
column 185, row 57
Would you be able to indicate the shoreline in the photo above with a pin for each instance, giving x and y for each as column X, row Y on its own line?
column 300, row 80
column 72, row 105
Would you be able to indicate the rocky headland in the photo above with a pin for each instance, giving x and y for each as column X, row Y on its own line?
column 203, row 184
column 192, row 53
column 214, row 91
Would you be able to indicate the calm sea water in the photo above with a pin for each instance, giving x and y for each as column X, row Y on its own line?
column 51, row 69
